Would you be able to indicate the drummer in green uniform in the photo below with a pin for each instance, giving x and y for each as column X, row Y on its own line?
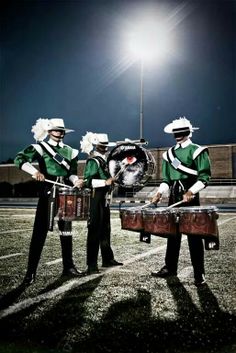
column 98, row 178
column 57, row 162
column 185, row 171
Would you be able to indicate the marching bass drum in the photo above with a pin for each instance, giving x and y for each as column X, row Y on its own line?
column 133, row 164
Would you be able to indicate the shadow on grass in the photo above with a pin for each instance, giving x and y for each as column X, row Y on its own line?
column 44, row 329
column 131, row 325
column 8, row 299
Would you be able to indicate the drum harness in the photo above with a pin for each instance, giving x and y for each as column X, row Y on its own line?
column 58, row 182
column 102, row 163
column 180, row 166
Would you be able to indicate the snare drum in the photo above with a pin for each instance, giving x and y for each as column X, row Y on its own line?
column 134, row 174
column 131, row 219
column 73, row 204
column 160, row 221
column 198, row 220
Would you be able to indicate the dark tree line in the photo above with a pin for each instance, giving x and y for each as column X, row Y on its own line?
column 26, row 189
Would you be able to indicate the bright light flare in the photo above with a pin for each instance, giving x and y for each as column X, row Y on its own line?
column 149, row 41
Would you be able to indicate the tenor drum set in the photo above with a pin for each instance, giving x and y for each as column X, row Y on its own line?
column 197, row 221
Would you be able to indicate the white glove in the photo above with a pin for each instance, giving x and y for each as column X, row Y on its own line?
column 78, row 183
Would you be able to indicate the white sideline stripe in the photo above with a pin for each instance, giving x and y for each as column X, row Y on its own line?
column 16, row 231
column 28, row 302
column 11, row 255
column 66, row 287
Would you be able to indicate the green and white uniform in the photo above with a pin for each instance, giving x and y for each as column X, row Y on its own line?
column 60, row 164
column 194, row 171
column 185, row 167
column 47, row 164
column 99, row 227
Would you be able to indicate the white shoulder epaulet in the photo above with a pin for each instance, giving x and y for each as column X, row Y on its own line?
column 198, row 151
column 38, row 148
column 74, row 153
column 164, row 156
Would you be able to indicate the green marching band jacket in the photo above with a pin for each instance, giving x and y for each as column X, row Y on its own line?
column 60, row 160
column 187, row 161
column 96, row 168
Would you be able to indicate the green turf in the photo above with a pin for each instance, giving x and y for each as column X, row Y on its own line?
column 119, row 310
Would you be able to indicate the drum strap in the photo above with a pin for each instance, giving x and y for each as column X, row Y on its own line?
column 178, row 165
column 56, row 156
column 101, row 163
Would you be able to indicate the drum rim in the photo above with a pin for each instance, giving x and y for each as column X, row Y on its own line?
column 198, row 209
column 130, row 211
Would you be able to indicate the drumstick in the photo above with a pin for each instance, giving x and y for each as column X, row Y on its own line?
column 56, row 183
column 175, row 204
column 147, row 204
column 178, row 203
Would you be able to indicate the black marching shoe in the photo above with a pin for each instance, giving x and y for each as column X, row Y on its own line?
column 29, row 279
column 163, row 273
column 72, row 272
column 91, row 270
column 200, row 281
column 112, row 263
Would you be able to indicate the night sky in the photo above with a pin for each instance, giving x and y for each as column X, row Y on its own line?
column 69, row 59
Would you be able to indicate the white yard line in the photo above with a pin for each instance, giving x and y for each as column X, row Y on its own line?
column 19, row 215
column 53, row 262
column 15, row 231
column 11, row 255
column 226, row 220
column 78, row 282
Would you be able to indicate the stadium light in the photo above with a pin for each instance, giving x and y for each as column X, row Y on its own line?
column 147, row 42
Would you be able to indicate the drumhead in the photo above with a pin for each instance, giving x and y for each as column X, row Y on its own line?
column 135, row 163
column 198, row 209
column 131, row 210
column 159, row 210
column 67, row 191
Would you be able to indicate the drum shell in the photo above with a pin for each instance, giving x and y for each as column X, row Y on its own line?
column 199, row 221
column 161, row 222
column 131, row 220
column 73, row 204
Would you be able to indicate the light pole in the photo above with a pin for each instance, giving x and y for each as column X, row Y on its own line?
column 141, row 101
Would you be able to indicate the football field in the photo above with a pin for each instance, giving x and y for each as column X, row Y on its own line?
column 121, row 309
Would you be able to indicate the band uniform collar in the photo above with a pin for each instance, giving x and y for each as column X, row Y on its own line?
column 54, row 143
column 103, row 156
column 184, row 144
